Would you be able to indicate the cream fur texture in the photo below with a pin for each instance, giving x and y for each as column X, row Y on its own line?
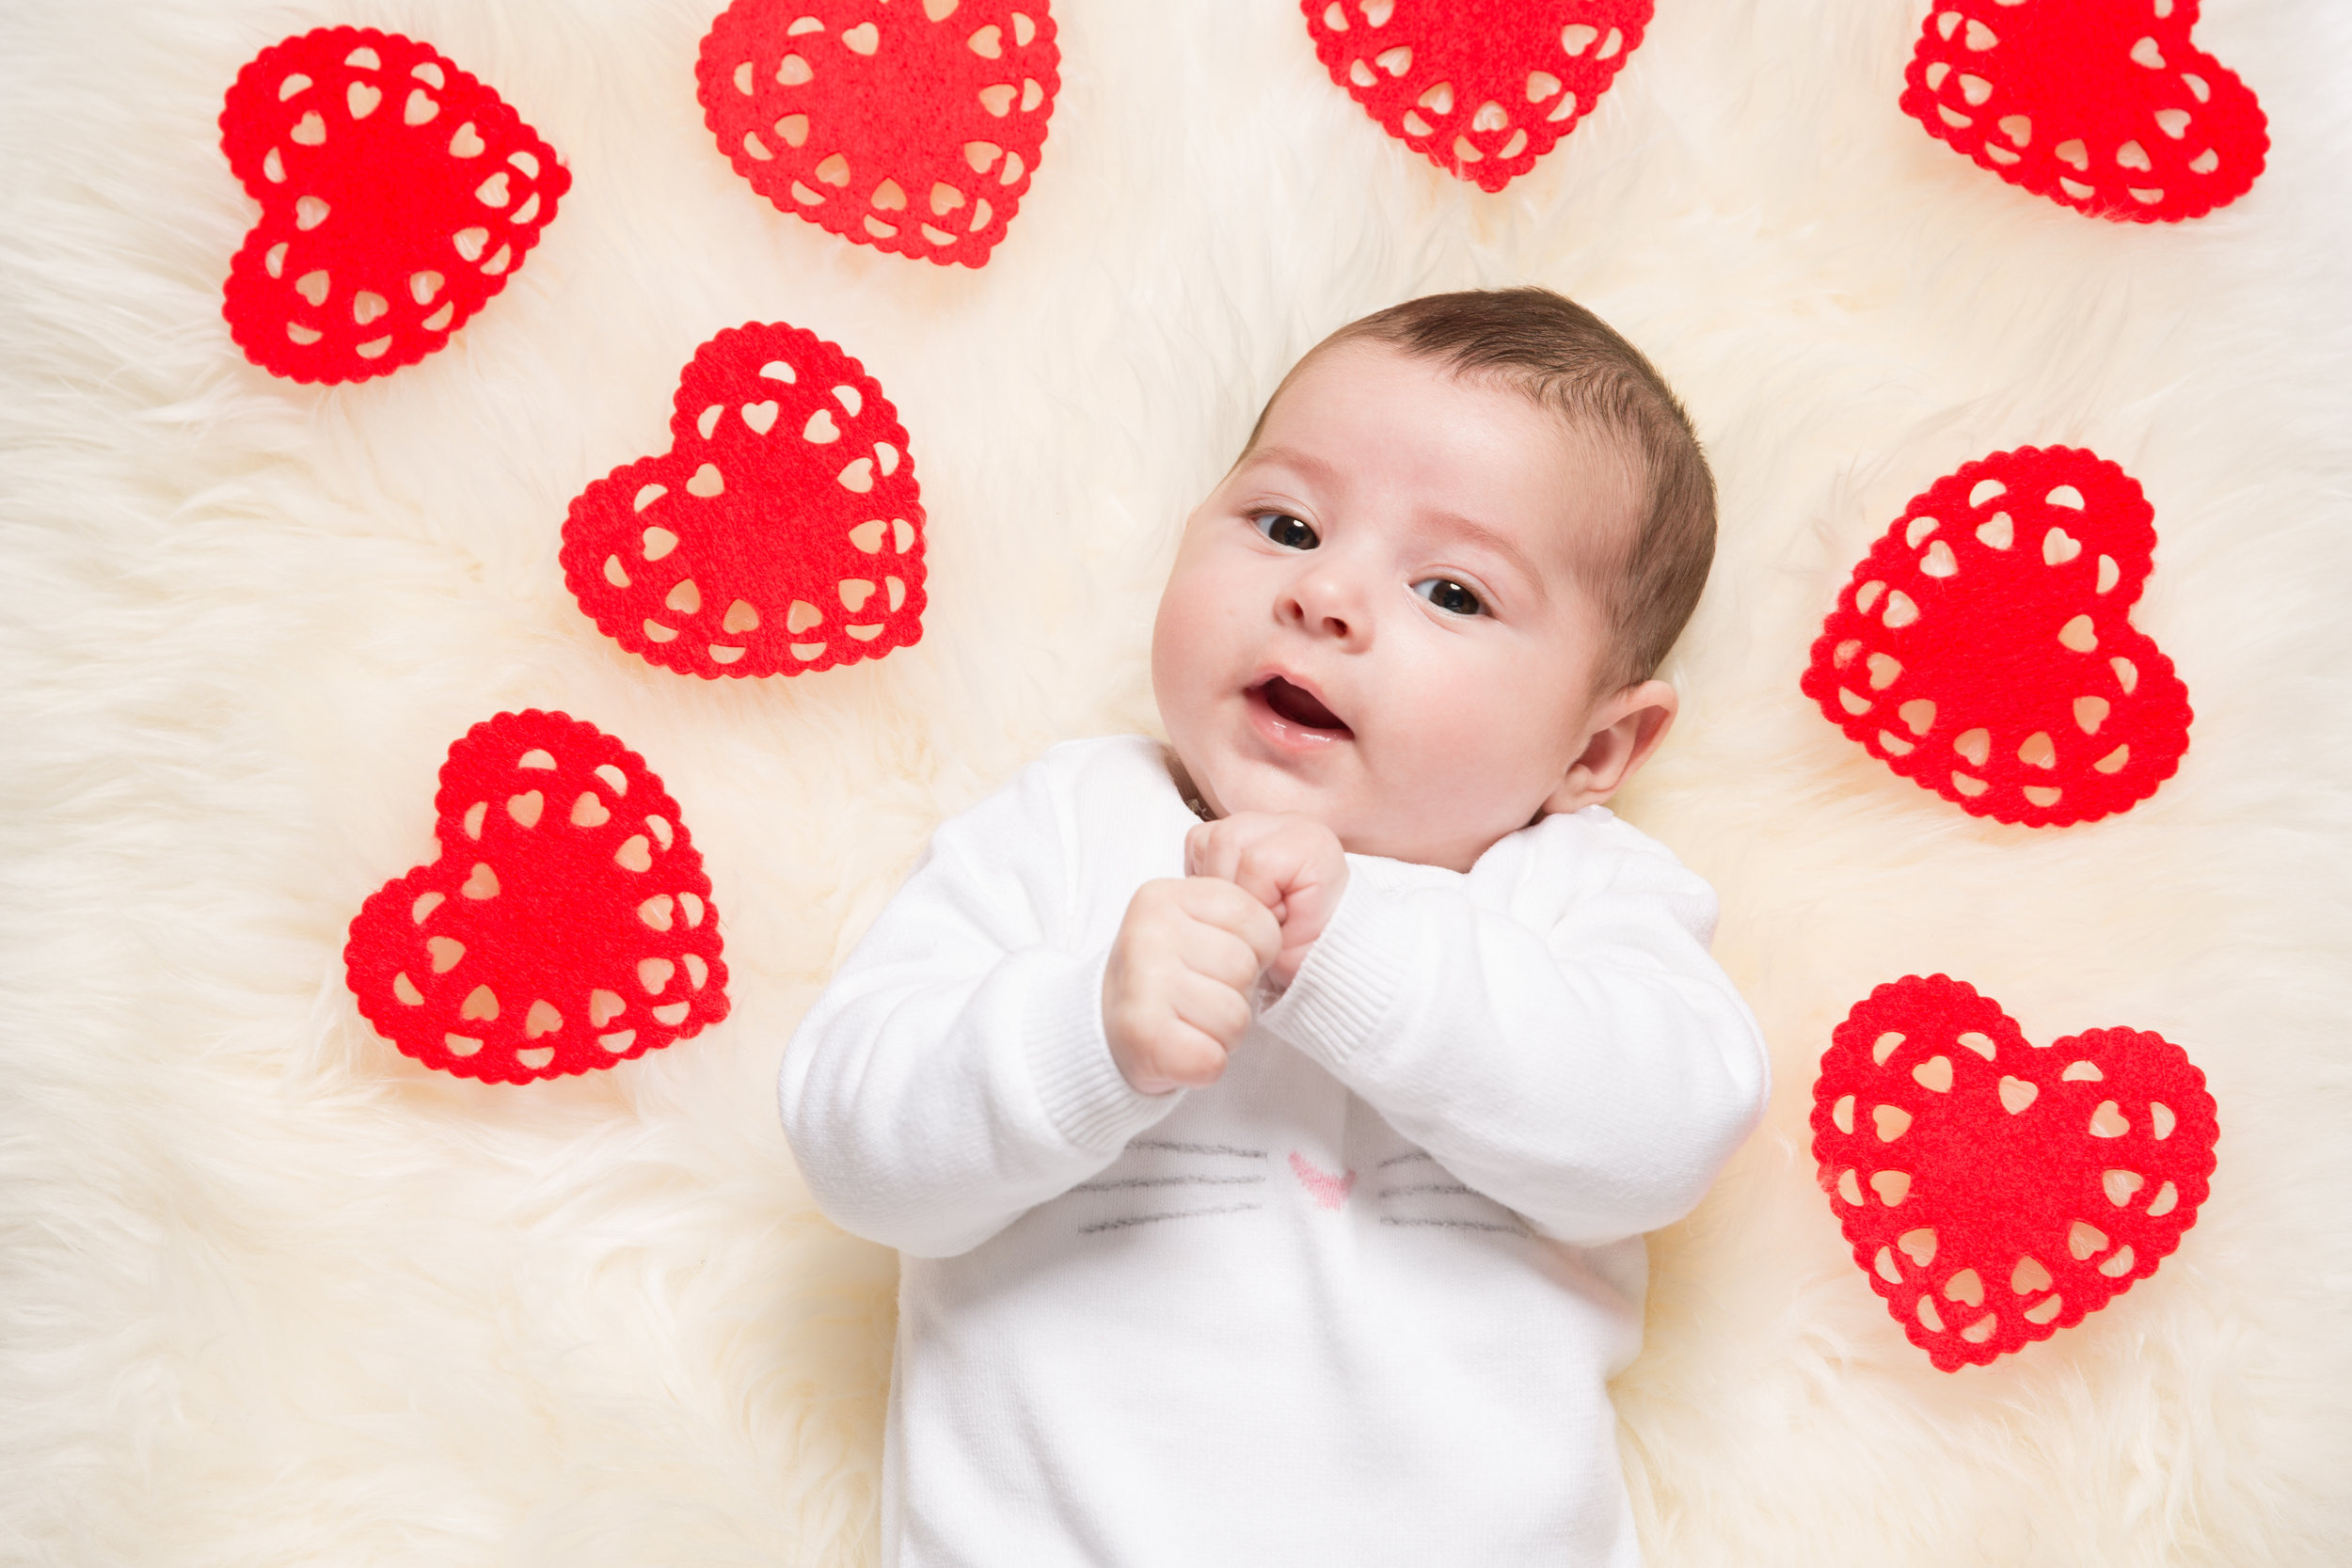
column 274, row 1293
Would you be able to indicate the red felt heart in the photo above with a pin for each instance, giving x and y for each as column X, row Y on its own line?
column 567, row 924
column 2103, row 107
column 781, row 533
column 398, row 194
column 1983, row 650
column 1995, row 1192
column 912, row 127
column 1480, row 91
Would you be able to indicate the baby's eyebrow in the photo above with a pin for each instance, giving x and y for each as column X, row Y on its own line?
column 1455, row 524
column 1304, row 463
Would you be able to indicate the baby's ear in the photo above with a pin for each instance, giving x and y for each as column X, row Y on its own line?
column 1625, row 729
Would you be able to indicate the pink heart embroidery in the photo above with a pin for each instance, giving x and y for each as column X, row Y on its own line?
column 1328, row 1191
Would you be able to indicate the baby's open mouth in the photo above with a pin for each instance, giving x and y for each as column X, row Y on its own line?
column 1298, row 705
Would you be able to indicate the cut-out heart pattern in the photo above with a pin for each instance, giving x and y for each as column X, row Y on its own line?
column 1480, row 91
column 1984, row 649
column 567, row 924
column 913, row 127
column 398, row 194
column 2106, row 108
column 1995, row 1192
column 782, row 531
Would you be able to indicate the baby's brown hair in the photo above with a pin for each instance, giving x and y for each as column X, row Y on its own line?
column 1566, row 359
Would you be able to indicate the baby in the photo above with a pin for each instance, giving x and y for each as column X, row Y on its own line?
column 1270, row 1120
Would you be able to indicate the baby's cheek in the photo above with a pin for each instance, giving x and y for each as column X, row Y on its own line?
column 1482, row 738
column 1183, row 641
column 1456, row 720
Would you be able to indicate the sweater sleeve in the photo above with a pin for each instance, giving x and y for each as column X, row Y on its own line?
column 1591, row 1070
column 954, row 1072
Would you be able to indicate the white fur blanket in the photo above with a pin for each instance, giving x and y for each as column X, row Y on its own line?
column 271, row 1292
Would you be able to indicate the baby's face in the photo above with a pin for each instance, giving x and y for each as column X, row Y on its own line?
column 1377, row 618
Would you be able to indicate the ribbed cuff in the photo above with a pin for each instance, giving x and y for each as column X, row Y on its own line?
column 1077, row 1084
column 1349, row 983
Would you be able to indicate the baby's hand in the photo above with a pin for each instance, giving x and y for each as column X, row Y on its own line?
column 1176, row 993
column 1292, row 864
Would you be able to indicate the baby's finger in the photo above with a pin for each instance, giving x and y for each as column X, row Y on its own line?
column 1217, row 1009
column 1210, row 849
column 1220, row 956
column 1240, row 857
column 1265, row 867
column 1228, row 836
column 1216, row 902
column 1177, row 1056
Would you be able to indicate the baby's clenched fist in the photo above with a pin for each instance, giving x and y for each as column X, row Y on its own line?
column 1293, row 864
column 1176, row 993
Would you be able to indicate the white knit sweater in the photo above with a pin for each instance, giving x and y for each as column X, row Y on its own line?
column 1357, row 1303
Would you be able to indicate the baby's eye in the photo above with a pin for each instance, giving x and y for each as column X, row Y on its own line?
column 1450, row 595
column 1286, row 531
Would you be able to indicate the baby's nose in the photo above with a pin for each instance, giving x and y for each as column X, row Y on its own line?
column 1325, row 604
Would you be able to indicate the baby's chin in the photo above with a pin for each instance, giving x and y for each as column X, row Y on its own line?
column 1231, row 787
column 1392, row 830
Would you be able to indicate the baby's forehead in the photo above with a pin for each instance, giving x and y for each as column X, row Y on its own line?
column 1595, row 463
column 1565, row 422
